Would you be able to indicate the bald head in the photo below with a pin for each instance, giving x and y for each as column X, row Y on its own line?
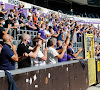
column 59, row 43
column 25, row 36
column 7, row 37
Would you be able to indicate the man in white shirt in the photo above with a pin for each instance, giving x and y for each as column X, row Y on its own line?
column 41, row 58
column 30, row 13
column 53, row 54
column 47, row 33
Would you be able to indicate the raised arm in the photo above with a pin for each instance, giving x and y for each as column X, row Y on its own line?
column 9, row 27
column 33, row 54
column 33, row 27
column 77, row 53
column 4, row 12
column 67, row 39
column 15, row 57
column 60, row 56
column 44, row 58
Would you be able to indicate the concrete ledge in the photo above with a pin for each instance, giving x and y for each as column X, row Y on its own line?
column 29, row 69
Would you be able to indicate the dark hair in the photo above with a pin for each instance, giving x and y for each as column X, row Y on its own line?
column 21, row 16
column 15, row 6
column 1, row 42
column 50, row 42
column 1, row 19
column 33, row 7
column 29, row 9
column 15, row 15
column 69, row 44
column 11, row 10
column 28, row 17
column 35, row 40
column 2, row 4
column 18, row 8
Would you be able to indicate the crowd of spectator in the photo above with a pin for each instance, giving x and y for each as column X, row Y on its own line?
column 57, row 35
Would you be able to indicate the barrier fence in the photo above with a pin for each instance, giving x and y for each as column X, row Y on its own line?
column 63, row 76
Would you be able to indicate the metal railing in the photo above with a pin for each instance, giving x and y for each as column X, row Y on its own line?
column 77, row 45
column 17, row 33
column 98, row 39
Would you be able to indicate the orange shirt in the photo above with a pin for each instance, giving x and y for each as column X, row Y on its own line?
column 34, row 19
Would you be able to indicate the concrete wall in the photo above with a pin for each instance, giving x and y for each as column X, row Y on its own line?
column 63, row 76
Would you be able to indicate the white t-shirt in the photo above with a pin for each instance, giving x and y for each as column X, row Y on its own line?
column 74, row 39
column 29, row 14
column 47, row 32
column 37, row 61
column 65, row 35
column 51, row 56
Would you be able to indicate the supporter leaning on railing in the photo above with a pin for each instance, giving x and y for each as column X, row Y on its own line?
column 53, row 54
column 8, row 55
column 41, row 58
column 60, row 45
column 48, row 26
column 28, row 51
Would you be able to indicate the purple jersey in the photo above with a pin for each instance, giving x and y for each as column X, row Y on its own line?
column 21, row 11
column 64, row 57
column 31, row 24
column 55, row 29
column 42, row 33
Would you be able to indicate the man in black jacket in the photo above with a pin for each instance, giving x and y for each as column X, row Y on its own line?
column 28, row 51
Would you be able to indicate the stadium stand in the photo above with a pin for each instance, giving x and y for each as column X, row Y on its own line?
column 46, row 26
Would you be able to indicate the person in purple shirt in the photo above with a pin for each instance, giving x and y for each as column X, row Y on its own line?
column 60, row 44
column 66, row 57
column 81, row 30
column 33, row 10
column 73, row 55
column 29, row 24
column 41, row 32
column 55, row 27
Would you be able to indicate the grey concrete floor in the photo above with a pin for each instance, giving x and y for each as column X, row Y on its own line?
column 97, row 87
